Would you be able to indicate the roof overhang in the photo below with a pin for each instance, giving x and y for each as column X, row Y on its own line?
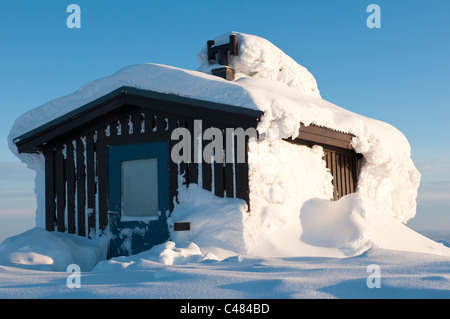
column 318, row 135
column 85, row 115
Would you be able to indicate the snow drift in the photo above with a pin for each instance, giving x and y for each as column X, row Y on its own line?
column 217, row 224
column 39, row 249
column 291, row 214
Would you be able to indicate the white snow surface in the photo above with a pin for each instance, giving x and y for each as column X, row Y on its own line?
column 39, row 249
column 290, row 187
column 181, row 270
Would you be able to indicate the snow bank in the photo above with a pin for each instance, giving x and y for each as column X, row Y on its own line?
column 292, row 174
column 217, row 224
column 298, row 220
column 39, row 249
column 284, row 178
column 353, row 225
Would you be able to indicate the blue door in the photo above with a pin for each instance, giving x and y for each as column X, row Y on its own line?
column 138, row 197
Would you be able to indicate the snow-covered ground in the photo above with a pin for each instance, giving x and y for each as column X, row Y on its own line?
column 182, row 271
column 403, row 275
column 295, row 242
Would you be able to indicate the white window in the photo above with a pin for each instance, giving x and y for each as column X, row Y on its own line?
column 139, row 188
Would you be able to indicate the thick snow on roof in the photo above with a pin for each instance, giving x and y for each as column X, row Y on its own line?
column 259, row 58
column 270, row 81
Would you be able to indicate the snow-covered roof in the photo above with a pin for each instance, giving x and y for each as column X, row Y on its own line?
column 259, row 58
column 124, row 91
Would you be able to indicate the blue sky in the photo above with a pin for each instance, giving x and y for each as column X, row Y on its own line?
column 398, row 73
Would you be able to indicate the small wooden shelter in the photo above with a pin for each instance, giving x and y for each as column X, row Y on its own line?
column 108, row 163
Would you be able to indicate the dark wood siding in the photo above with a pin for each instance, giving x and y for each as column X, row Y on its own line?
column 339, row 156
column 60, row 189
column 49, row 191
column 77, row 174
column 70, row 188
column 343, row 166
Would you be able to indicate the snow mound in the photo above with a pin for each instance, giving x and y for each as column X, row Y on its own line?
column 353, row 225
column 296, row 225
column 259, row 58
column 217, row 224
column 167, row 253
column 39, row 249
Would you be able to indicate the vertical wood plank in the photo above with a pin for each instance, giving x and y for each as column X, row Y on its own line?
column 70, row 179
column 49, row 192
column 218, row 179
column 148, row 122
column 136, row 120
column 206, row 167
column 125, row 128
column 350, row 173
column 333, row 172
column 347, row 175
column 241, row 171
column 229, row 162
column 115, row 130
column 192, row 166
column 218, row 173
column 102, row 177
column 173, row 167
column 344, row 175
column 183, row 166
column 338, row 176
column 81, row 200
column 90, row 182
column 343, row 190
column 160, row 124
column 60, row 189
column 327, row 158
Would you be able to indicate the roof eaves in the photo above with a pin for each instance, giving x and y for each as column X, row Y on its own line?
column 124, row 90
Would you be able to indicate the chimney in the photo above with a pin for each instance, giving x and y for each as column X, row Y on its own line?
column 218, row 54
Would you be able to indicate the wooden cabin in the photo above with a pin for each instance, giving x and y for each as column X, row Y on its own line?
column 85, row 151
column 108, row 163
